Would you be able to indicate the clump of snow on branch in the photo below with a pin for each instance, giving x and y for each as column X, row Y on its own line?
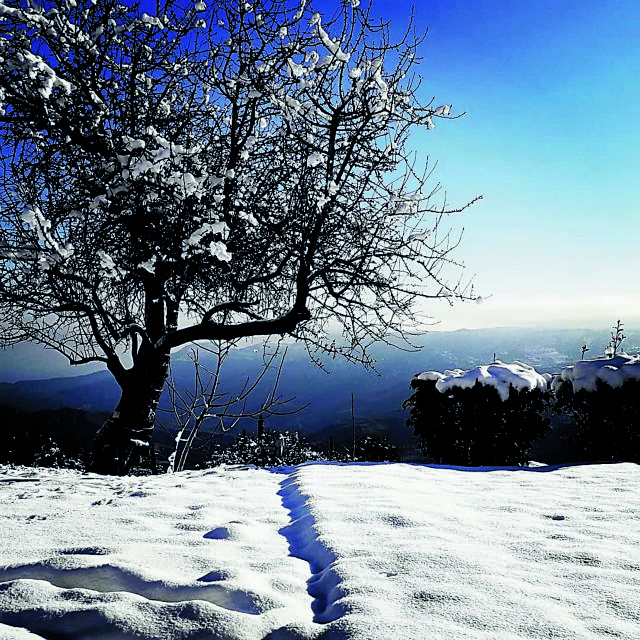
column 107, row 263
column 612, row 371
column 42, row 226
column 500, row 375
column 336, row 55
column 315, row 159
column 149, row 265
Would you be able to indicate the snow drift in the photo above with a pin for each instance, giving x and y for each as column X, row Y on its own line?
column 612, row 371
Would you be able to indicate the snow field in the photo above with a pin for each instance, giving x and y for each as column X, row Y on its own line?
column 322, row 551
column 190, row 555
column 435, row 552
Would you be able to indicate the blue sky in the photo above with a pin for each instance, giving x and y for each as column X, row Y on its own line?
column 551, row 140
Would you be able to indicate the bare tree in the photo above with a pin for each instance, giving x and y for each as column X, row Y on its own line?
column 209, row 173
column 617, row 336
column 208, row 403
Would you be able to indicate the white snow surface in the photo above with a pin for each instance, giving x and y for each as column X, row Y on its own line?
column 322, row 551
column 613, row 371
column 503, row 376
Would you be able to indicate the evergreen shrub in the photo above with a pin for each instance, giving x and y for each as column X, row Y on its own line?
column 473, row 426
column 606, row 420
column 272, row 448
column 374, row 448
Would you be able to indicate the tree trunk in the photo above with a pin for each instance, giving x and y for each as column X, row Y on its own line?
column 124, row 440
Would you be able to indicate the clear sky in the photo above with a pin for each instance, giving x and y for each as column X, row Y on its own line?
column 551, row 139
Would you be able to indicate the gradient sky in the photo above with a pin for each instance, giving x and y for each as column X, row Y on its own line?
column 551, row 139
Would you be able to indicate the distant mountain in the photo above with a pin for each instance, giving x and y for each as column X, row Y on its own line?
column 378, row 395
column 28, row 361
column 95, row 392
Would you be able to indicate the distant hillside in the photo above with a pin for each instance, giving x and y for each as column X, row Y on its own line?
column 378, row 396
column 94, row 392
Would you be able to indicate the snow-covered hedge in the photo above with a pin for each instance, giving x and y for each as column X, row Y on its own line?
column 602, row 398
column 587, row 373
column 489, row 415
column 500, row 375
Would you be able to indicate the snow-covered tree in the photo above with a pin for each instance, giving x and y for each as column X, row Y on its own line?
column 208, row 173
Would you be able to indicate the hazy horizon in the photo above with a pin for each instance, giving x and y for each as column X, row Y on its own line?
column 29, row 361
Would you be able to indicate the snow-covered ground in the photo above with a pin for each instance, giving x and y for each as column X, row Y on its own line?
column 322, row 551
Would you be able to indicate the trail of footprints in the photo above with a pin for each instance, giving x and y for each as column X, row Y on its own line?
column 304, row 543
column 108, row 578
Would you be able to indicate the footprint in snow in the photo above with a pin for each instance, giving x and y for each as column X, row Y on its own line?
column 213, row 576
column 109, row 578
column 220, row 533
column 85, row 551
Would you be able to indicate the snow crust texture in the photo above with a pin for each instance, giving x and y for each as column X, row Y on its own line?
column 322, row 551
column 612, row 371
column 500, row 375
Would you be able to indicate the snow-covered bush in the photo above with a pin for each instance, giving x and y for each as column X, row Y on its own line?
column 489, row 415
column 272, row 448
column 602, row 398
column 369, row 447
column 36, row 450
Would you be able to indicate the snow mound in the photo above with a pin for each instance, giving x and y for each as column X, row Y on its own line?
column 612, row 371
column 500, row 375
